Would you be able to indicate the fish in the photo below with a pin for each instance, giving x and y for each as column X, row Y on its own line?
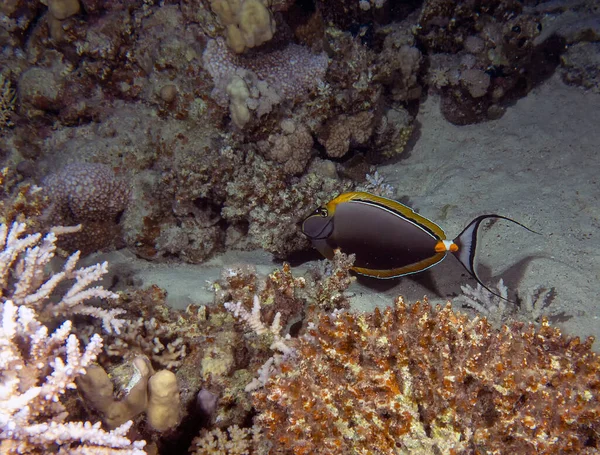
column 389, row 239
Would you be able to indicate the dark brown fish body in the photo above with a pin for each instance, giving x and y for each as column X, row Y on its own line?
column 388, row 238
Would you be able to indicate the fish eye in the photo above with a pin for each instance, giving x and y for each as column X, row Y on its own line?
column 323, row 212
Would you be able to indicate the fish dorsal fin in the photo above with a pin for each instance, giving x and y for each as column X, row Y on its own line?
column 467, row 246
column 393, row 206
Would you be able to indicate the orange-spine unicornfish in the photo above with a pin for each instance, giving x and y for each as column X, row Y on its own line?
column 388, row 238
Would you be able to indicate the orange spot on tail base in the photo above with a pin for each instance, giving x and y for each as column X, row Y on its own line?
column 440, row 247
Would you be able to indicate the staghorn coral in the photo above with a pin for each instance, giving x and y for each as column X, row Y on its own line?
column 328, row 281
column 530, row 307
column 422, row 380
column 270, row 307
column 36, row 369
column 279, row 294
column 271, row 334
column 233, row 441
column 163, row 334
column 24, row 279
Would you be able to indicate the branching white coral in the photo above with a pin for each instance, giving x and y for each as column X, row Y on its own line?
column 498, row 311
column 254, row 321
column 375, row 184
column 233, row 441
column 23, row 277
column 35, row 370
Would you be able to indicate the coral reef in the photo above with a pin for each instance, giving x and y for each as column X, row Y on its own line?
column 33, row 418
column 416, row 379
column 7, row 102
column 155, row 393
column 483, row 57
column 179, row 130
column 299, row 374
column 33, row 287
column 89, row 194
column 113, row 85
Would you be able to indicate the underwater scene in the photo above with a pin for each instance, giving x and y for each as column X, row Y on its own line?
column 297, row 227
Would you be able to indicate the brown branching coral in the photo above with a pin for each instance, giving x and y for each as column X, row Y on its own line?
column 7, row 102
column 416, row 379
column 328, row 282
column 20, row 200
column 261, row 198
column 234, row 441
column 164, row 334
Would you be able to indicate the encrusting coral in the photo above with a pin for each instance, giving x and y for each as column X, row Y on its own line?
column 269, row 79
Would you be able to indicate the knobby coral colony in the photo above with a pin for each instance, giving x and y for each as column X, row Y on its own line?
column 422, row 380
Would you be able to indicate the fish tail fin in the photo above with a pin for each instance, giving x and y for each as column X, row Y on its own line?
column 466, row 244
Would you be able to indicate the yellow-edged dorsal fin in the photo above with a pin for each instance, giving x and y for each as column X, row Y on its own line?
column 389, row 204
